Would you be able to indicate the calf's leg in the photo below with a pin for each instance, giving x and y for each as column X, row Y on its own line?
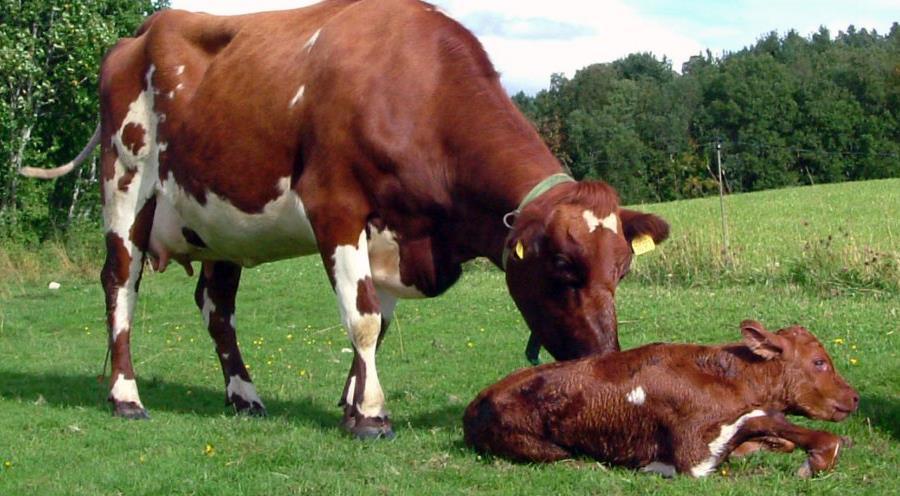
column 822, row 448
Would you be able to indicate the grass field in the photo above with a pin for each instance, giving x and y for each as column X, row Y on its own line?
column 57, row 436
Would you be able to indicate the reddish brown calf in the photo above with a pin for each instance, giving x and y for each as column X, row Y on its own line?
column 669, row 408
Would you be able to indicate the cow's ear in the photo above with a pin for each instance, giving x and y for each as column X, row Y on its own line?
column 762, row 342
column 636, row 224
column 526, row 242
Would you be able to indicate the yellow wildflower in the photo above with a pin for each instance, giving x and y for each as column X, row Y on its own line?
column 209, row 450
column 854, row 361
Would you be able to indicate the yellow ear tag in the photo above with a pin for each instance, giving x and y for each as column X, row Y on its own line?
column 642, row 244
column 520, row 250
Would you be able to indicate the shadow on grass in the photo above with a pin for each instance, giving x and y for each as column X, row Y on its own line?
column 156, row 394
column 449, row 416
column 883, row 412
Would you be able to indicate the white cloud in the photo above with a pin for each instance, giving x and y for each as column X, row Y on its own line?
column 602, row 31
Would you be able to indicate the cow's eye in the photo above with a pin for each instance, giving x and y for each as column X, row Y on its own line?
column 567, row 272
column 820, row 364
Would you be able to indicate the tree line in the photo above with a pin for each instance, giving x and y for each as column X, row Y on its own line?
column 50, row 54
column 789, row 110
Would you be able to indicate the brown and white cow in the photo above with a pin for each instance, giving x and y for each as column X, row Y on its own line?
column 669, row 408
column 372, row 132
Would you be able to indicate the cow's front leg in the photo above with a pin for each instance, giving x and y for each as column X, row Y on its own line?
column 387, row 302
column 215, row 296
column 347, row 260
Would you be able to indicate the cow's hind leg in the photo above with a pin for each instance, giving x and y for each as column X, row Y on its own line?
column 215, row 296
column 121, row 278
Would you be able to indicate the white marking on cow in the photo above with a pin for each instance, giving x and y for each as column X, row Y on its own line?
column 312, row 40
column 225, row 356
column 232, row 322
column 122, row 206
column 246, row 390
column 162, row 118
column 298, row 96
column 610, row 222
column 351, row 265
column 179, row 70
column 208, row 308
column 637, row 396
column 726, row 433
column 663, row 469
column 351, row 390
column 125, row 390
column 178, row 87
column 384, row 257
column 124, row 310
column 282, row 230
column 373, row 397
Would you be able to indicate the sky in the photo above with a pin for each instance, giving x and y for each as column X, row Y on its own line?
column 528, row 40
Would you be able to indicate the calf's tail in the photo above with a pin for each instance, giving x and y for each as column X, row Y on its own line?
column 67, row 168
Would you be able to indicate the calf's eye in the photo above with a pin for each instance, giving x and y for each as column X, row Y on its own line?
column 820, row 364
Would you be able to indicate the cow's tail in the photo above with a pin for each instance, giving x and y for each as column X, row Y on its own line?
column 64, row 169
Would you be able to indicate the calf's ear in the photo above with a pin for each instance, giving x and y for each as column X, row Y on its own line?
column 762, row 342
column 636, row 224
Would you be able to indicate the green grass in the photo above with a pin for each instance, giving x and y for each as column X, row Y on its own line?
column 58, row 435
column 831, row 239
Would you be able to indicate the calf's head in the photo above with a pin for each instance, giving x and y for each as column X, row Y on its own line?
column 813, row 387
column 568, row 250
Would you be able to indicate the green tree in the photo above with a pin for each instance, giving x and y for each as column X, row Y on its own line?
column 50, row 52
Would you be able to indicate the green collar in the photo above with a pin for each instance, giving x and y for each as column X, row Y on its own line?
column 541, row 188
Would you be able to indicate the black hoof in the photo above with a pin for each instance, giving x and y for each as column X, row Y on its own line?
column 130, row 410
column 367, row 433
column 365, row 428
column 248, row 408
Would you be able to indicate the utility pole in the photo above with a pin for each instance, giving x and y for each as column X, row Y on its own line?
column 725, row 250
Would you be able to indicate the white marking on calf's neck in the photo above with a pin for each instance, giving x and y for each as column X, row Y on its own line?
column 717, row 446
column 637, row 396
column 610, row 222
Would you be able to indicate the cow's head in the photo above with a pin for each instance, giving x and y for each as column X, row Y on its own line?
column 568, row 249
column 812, row 387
